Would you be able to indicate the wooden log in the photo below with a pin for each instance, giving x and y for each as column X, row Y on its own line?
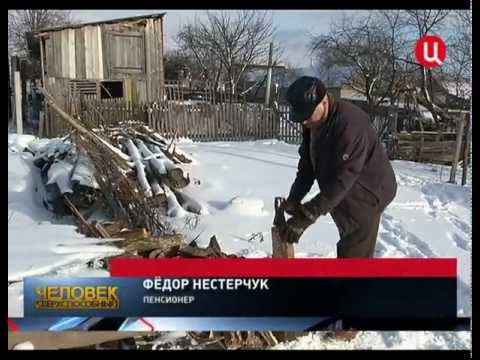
column 152, row 133
column 213, row 250
column 163, row 169
column 174, row 209
column 154, row 183
column 101, row 230
column 140, row 167
column 281, row 249
column 157, row 166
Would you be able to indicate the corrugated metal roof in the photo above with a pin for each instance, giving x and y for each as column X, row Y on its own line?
column 112, row 21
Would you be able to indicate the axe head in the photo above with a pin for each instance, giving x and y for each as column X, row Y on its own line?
column 279, row 219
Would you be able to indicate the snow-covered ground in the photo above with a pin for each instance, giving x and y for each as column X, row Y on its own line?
column 237, row 182
column 374, row 340
column 38, row 242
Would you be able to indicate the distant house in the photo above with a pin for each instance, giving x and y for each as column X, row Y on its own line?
column 121, row 58
column 453, row 95
column 255, row 82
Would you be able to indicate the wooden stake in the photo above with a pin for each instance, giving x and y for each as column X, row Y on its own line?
column 453, row 172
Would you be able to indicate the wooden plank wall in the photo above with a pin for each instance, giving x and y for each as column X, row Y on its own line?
column 54, row 124
column 61, row 54
column 83, row 54
column 75, row 54
column 49, row 68
column 57, row 54
column 71, row 54
column 154, row 59
column 93, row 53
column 80, row 54
column 64, row 56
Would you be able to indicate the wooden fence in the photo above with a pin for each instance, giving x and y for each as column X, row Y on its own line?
column 214, row 122
column 428, row 146
column 235, row 122
column 289, row 132
column 184, row 91
column 199, row 122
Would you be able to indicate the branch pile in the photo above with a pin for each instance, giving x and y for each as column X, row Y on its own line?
column 137, row 175
column 130, row 168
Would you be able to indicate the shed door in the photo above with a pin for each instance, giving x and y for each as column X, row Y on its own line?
column 126, row 52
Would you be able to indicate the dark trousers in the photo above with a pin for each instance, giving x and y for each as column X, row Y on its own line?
column 357, row 224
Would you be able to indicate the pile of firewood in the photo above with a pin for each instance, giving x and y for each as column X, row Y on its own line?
column 138, row 180
column 135, row 174
column 143, row 181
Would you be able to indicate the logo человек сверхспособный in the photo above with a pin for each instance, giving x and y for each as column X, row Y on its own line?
column 76, row 297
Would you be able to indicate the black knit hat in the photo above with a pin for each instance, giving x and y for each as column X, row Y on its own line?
column 304, row 95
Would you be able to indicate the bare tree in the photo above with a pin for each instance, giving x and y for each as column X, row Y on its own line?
column 375, row 54
column 194, row 46
column 459, row 60
column 424, row 22
column 227, row 42
column 175, row 62
column 23, row 23
column 363, row 49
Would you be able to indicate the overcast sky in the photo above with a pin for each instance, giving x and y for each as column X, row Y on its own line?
column 294, row 26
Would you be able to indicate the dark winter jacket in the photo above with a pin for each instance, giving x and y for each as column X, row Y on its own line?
column 349, row 160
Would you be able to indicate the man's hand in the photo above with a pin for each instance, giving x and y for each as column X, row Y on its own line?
column 292, row 207
column 296, row 225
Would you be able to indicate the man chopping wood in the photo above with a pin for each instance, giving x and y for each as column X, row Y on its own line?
column 341, row 151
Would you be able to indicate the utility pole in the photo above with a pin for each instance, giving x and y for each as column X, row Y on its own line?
column 269, row 76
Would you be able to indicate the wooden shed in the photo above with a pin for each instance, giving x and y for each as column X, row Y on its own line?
column 121, row 58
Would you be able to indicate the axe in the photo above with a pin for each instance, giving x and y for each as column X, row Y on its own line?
column 280, row 248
